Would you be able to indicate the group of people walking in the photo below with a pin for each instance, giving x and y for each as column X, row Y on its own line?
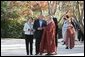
column 44, row 30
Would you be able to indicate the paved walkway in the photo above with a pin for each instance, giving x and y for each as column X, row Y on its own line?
column 16, row 47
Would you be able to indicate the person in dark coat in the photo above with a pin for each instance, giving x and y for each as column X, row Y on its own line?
column 56, row 30
column 38, row 26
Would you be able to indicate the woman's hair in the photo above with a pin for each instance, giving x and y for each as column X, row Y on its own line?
column 29, row 18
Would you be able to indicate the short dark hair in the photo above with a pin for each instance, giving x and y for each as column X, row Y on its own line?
column 67, row 16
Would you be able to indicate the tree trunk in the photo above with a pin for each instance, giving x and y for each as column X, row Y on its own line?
column 49, row 10
column 62, row 16
column 80, row 16
column 52, row 6
column 41, row 12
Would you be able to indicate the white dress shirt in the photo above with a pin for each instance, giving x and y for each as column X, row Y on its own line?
column 40, row 21
column 26, row 27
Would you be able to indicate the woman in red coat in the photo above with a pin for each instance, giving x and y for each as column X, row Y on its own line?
column 47, row 44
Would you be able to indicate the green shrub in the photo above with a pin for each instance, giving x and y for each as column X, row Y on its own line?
column 11, row 29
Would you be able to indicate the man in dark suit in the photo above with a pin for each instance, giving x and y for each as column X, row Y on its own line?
column 39, row 24
column 56, row 30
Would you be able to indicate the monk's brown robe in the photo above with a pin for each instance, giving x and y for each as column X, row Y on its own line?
column 70, row 39
column 47, row 44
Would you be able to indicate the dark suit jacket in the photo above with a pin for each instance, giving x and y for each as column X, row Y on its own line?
column 37, row 24
column 56, row 30
column 56, row 25
column 37, row 33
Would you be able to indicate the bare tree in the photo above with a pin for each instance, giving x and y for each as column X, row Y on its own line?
column 52, row 6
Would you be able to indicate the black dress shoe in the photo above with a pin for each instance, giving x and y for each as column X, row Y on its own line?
column 70, row 48
column 40, row 53
column 66, row 47
column 27, row 54
column 48, row 54
column 36, row 53
column 31, row 54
